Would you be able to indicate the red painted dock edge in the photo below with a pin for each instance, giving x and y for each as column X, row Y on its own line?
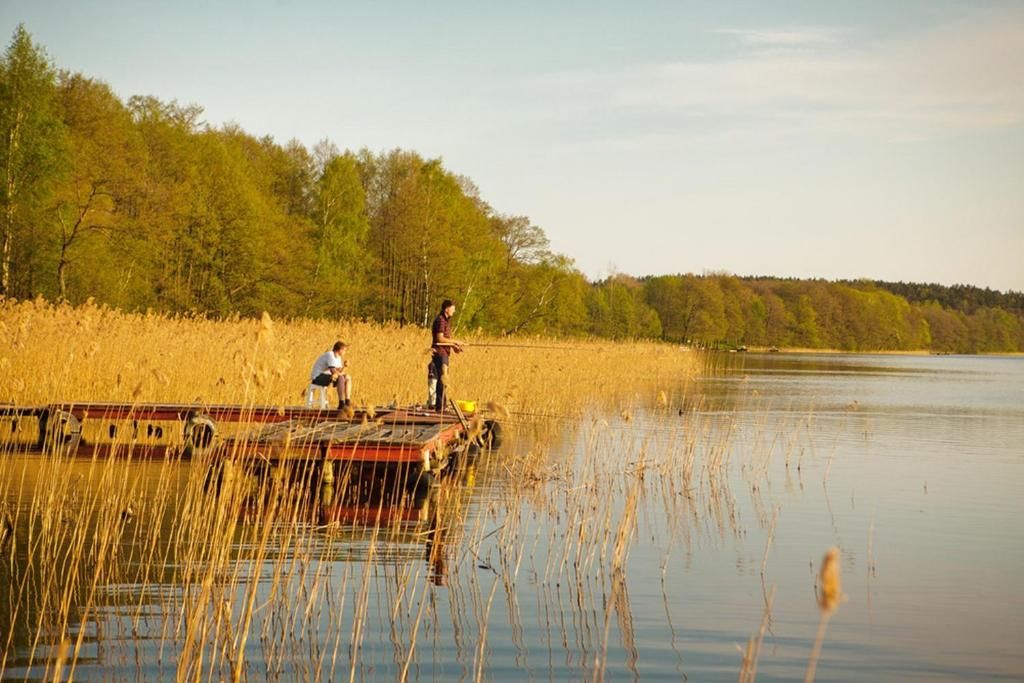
column 158, row 430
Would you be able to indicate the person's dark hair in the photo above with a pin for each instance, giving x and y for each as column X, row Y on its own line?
column 338, row 346
column 446, row 303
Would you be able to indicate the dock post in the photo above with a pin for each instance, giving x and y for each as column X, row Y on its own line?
column 326, row 482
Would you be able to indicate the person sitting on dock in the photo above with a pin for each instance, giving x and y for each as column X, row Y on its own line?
column 442, row 345
column 329, row 370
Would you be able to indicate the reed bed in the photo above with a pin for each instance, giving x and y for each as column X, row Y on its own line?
column 140, row 568
column 91, row 353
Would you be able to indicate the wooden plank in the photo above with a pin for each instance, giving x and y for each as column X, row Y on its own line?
column 361, row 436
column 358, row 433
column 297, row 431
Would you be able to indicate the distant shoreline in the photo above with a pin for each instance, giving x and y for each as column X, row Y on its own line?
column 915, row 352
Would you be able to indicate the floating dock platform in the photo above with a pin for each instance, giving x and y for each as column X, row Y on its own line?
column 410, row 435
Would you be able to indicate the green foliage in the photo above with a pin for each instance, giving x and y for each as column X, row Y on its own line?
column 142, row 205
column 32, row 161
column 106, row 154
column 341, row 231
column 818, row 314
column 964, row 298
column 948, row 329
column 618, row 310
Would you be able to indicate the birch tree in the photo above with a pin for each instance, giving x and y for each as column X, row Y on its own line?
column 31, row 153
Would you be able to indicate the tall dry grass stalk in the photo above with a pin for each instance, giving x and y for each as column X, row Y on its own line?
column 830, row 594
column 748, row 670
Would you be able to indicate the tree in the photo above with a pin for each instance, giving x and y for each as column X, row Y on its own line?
column 523, row 282
column 778, row 322
column 292, row 172
column 105, row 155
column 736, row 300
column 31, row 149
column 664, row 294
column 395, row 206
column 993, row 329
column 852, row 327
column 947, row 329
column 339, row 205
column 805, row 329
column 755, row 316
column 524, row 242
column 431, row 237
column 618, row 310
column 826, row 311
column 282, row 237
column 704, row 309
column 164, row 208
column 567, row 311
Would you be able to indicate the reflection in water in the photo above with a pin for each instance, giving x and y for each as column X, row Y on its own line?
column 678, row 535
column 411, row 517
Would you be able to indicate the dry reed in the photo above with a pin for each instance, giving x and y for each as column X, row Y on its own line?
column 245, row 583
column 830, row 594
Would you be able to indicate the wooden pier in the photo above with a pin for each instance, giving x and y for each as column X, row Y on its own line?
column 413, row 436
column 419, row 442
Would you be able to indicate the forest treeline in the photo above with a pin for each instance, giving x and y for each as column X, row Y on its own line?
column 141, row 205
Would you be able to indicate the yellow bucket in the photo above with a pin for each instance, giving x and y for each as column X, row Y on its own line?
column 467, row 407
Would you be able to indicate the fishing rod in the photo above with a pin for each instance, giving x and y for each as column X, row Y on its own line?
column 487, row 345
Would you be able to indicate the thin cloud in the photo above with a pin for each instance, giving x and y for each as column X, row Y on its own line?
column 782, row 38
column 964, row 76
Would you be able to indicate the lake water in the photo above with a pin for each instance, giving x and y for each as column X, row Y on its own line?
column 913, row 467
column 650, row 540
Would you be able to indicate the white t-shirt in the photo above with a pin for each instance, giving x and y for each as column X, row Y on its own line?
column 324, row 363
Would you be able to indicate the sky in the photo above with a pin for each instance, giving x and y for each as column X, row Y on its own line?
column 835, row 140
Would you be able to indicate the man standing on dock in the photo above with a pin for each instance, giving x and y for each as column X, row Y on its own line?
column 442, row 345
column 329, row 369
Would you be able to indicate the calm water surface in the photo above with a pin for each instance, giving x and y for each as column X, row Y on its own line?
column 647, row 538
column 913, row 467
